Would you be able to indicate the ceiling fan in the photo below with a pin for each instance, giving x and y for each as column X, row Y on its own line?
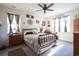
column 45, row 7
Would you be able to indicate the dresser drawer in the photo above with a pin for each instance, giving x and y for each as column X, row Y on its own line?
column 76, row 44
column 76, row 25
column 15, row 40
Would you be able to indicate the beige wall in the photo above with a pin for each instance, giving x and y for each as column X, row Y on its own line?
column 67, row 36
column 3, row 30
column 3, row 18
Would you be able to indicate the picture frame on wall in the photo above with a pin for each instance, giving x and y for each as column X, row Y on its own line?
column 43, row 23
column 27, row 15
column 0, row 24
column 29, row 21
column 32, row 17
column 37, row 21
column 48, row 23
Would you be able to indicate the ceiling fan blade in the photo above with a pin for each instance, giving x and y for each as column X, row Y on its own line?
column 40, row 5
column 50, row 5
column 39, row 10
column 50, row 10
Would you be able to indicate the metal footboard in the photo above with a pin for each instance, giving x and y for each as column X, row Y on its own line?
column 46, row 40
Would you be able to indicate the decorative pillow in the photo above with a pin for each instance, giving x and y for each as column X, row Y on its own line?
column 28, row 33
column 47, row 32
column 35, row 31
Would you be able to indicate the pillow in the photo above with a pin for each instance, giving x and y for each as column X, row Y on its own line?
column 35, row 31
column 28, row 33
column 47, row 32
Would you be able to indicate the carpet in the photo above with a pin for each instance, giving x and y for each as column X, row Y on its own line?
column 17, row 52
column 66, row 50
column 62, row 48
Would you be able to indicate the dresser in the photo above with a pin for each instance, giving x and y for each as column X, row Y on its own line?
column 76, row 44
column 76, row 36
column 15, row 39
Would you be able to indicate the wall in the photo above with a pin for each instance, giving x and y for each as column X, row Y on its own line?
column 46, row 24
column 3, row 18
column 67, row 36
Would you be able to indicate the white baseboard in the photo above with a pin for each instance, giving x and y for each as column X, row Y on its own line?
column 65, row 41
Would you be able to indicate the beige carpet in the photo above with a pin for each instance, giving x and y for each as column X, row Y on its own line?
column 17, row 52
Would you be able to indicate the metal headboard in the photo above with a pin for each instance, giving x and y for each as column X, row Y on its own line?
column 28, row 29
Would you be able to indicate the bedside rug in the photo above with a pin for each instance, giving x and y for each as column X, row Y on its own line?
column 17, row 52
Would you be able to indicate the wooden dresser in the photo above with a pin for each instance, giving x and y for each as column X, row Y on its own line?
column 15, row 39
column 76, row 44
column 76, row 37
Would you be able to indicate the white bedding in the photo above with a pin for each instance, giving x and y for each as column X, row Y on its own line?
column 32, row 36
column 32, row 41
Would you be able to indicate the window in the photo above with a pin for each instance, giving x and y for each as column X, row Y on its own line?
column 53, row 24
column 68, row 24
column 61, row 24
column 57, row 25
column 13, row 23
column 8, row 25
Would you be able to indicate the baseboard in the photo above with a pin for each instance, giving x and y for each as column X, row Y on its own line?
column 66, row 41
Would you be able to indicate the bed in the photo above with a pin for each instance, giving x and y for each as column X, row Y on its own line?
column 39, row 42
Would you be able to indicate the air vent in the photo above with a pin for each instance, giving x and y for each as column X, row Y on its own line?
column 13, row 6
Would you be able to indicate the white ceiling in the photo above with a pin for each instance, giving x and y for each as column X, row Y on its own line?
column 32, row 7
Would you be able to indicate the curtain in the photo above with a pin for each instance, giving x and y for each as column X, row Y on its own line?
column 65, row 27
column 17, row 21
column 54, row 20
column 59, row 24
column 10, row 17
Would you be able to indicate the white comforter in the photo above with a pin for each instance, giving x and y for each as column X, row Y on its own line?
column 32, row 37
column 32, row 41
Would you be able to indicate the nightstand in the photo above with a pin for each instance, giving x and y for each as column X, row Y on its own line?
column 15, row 39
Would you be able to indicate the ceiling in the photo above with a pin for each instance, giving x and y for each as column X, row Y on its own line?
column 32, row 7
